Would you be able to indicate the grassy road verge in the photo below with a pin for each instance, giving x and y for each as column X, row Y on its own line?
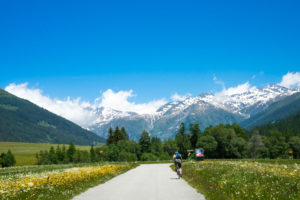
column 221, row 179
column 57, row 182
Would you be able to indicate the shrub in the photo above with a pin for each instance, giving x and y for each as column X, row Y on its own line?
column 148, row 157
column 8, row 159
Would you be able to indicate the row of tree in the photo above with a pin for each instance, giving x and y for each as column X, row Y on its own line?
column 221, row 141
column 120, row 148
column 7, row 159
column 63, row 155
column 232, row 141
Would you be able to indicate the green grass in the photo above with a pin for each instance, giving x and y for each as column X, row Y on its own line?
column 25, row 152
column 245, row 179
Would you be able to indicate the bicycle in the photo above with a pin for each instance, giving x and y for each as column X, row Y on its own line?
column 178, row 169
column 178, row 173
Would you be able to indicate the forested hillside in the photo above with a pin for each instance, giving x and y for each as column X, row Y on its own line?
column 290, row 126
column 275, row 112
column 23, row 121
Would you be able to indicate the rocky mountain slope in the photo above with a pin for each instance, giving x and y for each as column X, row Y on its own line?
column 275, row 112
column 205, row 109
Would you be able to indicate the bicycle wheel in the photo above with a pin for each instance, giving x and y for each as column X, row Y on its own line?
column 178, row 173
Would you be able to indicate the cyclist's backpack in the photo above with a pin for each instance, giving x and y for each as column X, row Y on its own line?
column 178, row 156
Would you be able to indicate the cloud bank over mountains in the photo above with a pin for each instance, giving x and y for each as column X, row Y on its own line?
column 77, row 110
column 72, row 109
column 120, row 101
column 80, row 112
column 291, row 80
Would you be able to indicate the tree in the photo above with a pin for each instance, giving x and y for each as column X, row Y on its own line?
column 71, row 152
column 113, row 153
column 238, row 147
column 124, row 134
column 170, row 146
column 64, row 153
column 145, row 142
column 239, row 131
column 59, row 154
column 209, row 144
column 52, row 156
column 110, row 139
column 7, row 159
column 294, row 143
column 119, row 135
column 183, row 141
column 156, row 146
column 229, row 145
column 92, row 154
column 256, row 147
column 149, row 157
column 196, row 132
column 276, row 144
column 128, row 157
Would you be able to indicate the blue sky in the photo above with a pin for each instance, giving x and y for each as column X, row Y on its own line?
column 156, row 48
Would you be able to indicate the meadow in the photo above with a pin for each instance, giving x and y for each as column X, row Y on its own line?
column 245, row 179
column 55, row 181
column 25, row 153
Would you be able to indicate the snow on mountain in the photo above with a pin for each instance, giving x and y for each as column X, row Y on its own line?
column 106, row 114
column 250, row 102
column 242, row 103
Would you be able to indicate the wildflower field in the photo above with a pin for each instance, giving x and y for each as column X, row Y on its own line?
column 54, row 181
column 245, row 179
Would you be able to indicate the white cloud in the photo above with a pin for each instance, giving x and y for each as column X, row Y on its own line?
column 290, row 80
column 237, row 90
column 219, row 82
column 76, row 110
column 226, row 94
column 72, row 109
column 177, row 97
column 232, row 90
column 119, row 101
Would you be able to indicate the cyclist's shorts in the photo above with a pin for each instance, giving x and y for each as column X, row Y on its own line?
column 178, row 163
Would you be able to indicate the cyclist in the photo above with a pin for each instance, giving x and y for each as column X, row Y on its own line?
column 177, row 158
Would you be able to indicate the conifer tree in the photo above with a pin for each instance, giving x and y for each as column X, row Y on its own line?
column 183, row 140
column 116, row 135
column 59, row 154
column 196, row 132
column 52, row 156
column 124, row 134
column 64, row 153
column 145, row 142
column 110, row 137
column 92, row 154
column 71, row 152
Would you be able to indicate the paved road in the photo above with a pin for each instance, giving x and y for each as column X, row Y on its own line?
column 146, row 182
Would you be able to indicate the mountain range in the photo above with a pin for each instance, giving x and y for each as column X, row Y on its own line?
column 206, row 109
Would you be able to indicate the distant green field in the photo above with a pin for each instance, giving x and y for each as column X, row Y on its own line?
column 25, row 152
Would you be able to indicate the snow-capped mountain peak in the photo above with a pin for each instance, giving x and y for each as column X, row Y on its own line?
column 241, row 103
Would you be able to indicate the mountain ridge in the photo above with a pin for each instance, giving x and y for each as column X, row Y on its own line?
column 234, row 107
column 23, row 121
column 275, row 112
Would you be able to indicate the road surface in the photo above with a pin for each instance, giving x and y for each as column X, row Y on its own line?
column 146, row 182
